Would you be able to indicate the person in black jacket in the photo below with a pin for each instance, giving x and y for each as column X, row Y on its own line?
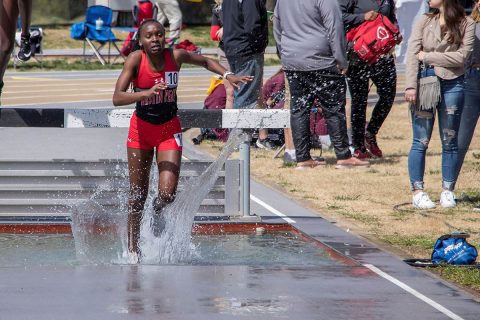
column 245, row 37
column 382, row 73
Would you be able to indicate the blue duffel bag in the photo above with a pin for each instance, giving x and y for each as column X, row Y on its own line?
column 454, row 249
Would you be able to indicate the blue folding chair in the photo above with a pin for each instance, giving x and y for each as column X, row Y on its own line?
column 97, row 27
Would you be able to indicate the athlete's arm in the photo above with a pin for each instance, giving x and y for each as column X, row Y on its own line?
column 183, row 56
column 121, row 97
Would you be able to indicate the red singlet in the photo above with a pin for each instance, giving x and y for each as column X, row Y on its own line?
column 154, row 123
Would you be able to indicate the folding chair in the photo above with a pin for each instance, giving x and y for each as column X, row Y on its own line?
column 97, row 27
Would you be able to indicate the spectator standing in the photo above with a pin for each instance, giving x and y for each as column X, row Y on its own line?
column 382, row 73
column 471, row 108
column 169, row 10
column 216, row 34
column 245, row 37
column 441, row 43
column 312, row 50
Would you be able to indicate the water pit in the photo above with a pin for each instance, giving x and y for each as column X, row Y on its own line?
column 211, row 244
column 98, row 236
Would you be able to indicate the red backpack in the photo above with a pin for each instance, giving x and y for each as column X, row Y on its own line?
column 372, row 39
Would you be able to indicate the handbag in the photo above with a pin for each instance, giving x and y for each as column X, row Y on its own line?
column 372, row 40
column 429, row 91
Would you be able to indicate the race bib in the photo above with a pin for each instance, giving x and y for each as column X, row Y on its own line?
column 171, row 79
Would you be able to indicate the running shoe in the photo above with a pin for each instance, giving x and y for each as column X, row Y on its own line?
column 288, row 159
column 351, row 163
column 372, row 146
column 447, row 199
column 421, row 200
column 158, row 221
column 361, row 154
column 309, row 164
column 25, row 52
column 265, row 144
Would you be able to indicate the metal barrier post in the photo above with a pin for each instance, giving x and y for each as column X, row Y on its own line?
column 245, row 158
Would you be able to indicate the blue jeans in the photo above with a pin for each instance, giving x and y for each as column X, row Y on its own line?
column 449, row 113
column 249, row 94
column 470, row 114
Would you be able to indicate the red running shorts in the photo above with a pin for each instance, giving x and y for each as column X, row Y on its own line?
column 147, row 136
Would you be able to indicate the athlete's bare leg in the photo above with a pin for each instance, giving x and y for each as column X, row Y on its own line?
column 25, row 7
column 139, row 164
column 168, row 162
column 8, row 20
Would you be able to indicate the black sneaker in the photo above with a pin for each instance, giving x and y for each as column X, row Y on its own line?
column 25, row 52
column 265, row 144
column 158, row 219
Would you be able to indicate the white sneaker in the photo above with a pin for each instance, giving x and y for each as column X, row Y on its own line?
column 421, row 200
column 447, row 199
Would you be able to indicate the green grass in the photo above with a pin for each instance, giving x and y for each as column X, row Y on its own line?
column 347, row 197
column 420, row 242
column 366, row 219
column 468, row 277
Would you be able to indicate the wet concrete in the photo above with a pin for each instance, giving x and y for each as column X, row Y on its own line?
column 195, row 292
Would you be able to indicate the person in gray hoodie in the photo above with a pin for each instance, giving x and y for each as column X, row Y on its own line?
column 312, row 50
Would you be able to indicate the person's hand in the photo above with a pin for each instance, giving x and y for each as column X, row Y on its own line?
column 219, row 33
column 410, row 95
column 342, row 70
column 421, row 55
column 399, row 38
column 156, row 89
column 371, row 15
column 236, row 80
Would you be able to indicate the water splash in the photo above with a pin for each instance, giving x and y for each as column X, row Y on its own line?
column 100, row 233
column 173, row 245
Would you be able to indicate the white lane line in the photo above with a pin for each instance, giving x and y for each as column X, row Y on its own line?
column 271, row 209
column 414, row 292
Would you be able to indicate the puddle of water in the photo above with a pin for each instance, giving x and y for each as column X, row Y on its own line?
column 275, row 248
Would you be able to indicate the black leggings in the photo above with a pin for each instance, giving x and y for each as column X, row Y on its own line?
column 384, row 76
column 329, row 89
